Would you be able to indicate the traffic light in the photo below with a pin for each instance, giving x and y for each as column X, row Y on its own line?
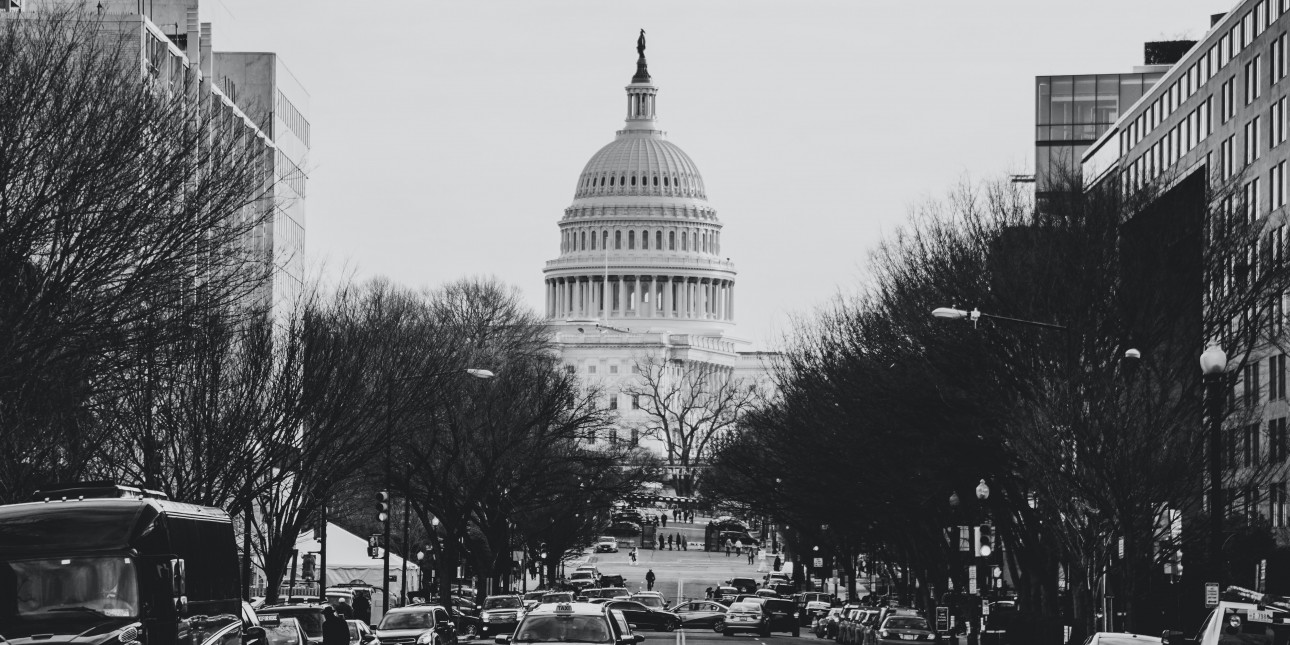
column 984, row 540
column 308, row 569
column 383, row 505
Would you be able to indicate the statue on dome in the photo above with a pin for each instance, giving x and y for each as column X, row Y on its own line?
column 640, row 44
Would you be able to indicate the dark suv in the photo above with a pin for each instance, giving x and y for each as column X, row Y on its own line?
column 782, row 614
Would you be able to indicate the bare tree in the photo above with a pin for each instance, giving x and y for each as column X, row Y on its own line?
column 125, row 198
column 688, row 405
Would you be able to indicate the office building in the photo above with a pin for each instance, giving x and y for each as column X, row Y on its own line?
column 1216, row 122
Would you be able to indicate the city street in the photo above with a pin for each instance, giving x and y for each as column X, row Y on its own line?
column 696, row 637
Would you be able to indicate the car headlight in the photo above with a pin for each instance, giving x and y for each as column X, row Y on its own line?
column 425, row 638
column 486, row 617
column 883, row 633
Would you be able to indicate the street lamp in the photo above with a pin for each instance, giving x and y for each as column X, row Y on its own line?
column 975, row 315
column 982, row 491
column 389, row 434
column 1213, row 363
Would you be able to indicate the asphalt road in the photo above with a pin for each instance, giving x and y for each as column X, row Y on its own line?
column 679, row 575
column 706, row 637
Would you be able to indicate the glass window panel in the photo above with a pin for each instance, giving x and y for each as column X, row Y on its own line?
column 1041, row 133
column 1130, row 90
column 1061, row 132
column 1062, row 110
column 1086, row 131
column 1108, row 98
column 1085, row 99
column 1043, row 93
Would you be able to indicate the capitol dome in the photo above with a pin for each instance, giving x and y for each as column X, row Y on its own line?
column 640, row 241
column 640, row 162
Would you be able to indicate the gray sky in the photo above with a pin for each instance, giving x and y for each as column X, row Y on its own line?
column 448, row 136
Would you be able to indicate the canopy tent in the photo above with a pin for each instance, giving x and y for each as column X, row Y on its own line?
column 348, row 560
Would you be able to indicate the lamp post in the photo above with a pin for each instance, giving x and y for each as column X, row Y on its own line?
column 1213, row 363
column 389, row 435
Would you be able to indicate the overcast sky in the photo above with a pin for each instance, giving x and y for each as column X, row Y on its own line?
column 448, row 136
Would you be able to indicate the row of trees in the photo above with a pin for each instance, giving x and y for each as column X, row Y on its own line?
column 139, row 344
column 896, row 415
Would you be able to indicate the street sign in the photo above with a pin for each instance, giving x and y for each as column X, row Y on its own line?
column 1261, row 576
column 942, row 619
column 374, row 540
column 971, row 580
column 1211, row 594
column 819, row 563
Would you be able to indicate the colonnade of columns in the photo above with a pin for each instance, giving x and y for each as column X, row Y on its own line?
column 641, row 296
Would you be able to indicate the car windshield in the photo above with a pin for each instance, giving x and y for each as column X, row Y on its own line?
column 649, row 601
column 503, row 602
column 558, row 597
column 563, row 629
column 578, row 575
column 286, row 632
column 407, row 620
column 749, row 607
column 56, row 588
column 310, row 619
column 905, row 622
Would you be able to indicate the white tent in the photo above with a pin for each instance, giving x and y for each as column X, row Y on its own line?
column 348, row 560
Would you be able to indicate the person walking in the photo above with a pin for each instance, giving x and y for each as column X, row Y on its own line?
column 335, row 630
column 751, row 555
column 707, row 593
column 728, row 545
column 362, row 608
column 685, row 546
column 669, row 543
column 649, row 580
column 663, row 517
column 777, row 564
column 633, row 556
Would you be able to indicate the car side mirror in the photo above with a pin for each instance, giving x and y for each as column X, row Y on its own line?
column 254, row 634
column 502, row 639
column 373, row 625
column 367, row 638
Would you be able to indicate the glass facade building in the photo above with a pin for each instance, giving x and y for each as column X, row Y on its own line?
column 1071, row 112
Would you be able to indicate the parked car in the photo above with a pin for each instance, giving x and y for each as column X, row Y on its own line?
column 607, row 544
column 651, row 599
column 639, row 615
column 361, row 634
column 500, row 615
column 421, row 624
column 898, row 629
column 702, row 614
column 614, row 580
column 864, row 623
column 827, row 625
column 849, row 625
column 310, row 618
column 284, row 630
column 812, row 605
column 533, row 599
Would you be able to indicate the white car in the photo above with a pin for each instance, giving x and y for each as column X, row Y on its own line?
column 607, row 544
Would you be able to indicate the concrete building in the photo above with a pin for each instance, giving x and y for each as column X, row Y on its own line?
column 253, row 89
column 642, row 275
column 1216, row 121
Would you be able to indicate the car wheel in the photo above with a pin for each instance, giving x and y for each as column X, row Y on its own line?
column 470, row 633
column 719, row 626
column 669, row 626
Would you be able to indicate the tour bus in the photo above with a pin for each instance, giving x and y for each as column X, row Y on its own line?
column 100, row 563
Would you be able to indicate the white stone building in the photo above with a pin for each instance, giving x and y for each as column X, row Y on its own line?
column 642, row 273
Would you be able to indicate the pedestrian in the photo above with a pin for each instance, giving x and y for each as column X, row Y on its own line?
column 335, row 631
column 728, row 545
column 777, row 564
column 669, row 543
column 633, row 556
column 751, row 555
column 685, row 546
column 664, row 518
column 649, row 580
column 362, row 608
column 707, row 593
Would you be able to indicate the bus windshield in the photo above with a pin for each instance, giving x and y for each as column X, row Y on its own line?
column 56, row 588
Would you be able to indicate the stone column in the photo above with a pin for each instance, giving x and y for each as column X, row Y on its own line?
column 667, row 296
column 620, row 310
column 649, row 306
column 732, row 301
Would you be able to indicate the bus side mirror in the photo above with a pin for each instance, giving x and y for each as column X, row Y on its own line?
column 178, row 585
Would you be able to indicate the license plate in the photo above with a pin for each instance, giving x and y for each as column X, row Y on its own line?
column 909, row 637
